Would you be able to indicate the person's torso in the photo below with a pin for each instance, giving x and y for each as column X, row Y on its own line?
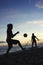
column 33, row 38
column 9, row 34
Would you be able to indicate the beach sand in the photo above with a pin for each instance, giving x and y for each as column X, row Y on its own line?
column 31, row 56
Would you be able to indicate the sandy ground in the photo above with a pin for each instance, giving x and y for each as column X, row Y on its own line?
column 31, row 56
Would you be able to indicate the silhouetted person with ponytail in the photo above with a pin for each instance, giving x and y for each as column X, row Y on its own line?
column 9, row 39
column 33, row 39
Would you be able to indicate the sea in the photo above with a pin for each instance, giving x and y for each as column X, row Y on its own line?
column 16, row 48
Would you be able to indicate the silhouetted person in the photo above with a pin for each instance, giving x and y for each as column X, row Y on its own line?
column 9, row 39
column 33, row 38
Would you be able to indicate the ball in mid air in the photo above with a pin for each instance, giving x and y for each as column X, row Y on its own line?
column 25, row 34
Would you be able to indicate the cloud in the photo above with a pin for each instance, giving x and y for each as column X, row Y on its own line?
column 27, row 24
column 39, row 4
column 39, row 23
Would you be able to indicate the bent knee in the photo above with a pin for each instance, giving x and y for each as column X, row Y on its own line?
column 18, row 41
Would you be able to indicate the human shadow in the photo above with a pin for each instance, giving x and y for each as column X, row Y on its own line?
column 9, row 39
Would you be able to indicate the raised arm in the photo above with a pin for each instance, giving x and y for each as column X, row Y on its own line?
column 15, row 34
column 37, row 38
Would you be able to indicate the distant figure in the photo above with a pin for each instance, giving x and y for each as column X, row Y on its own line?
column 9, row 39
column 33, row 38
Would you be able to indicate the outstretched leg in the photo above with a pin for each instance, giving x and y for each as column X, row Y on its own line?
column 20, row 44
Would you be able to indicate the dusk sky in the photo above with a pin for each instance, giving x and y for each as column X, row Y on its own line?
column 25, row 15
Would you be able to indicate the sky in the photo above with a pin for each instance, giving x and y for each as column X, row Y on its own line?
column 25, row 15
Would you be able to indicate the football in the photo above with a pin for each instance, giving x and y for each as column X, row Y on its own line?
column 25, row 35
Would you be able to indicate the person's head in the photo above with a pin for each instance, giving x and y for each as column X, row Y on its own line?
column 10, row 26
column 32, row 34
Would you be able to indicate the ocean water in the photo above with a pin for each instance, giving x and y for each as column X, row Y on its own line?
column 15, row 48
column 3, row 49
